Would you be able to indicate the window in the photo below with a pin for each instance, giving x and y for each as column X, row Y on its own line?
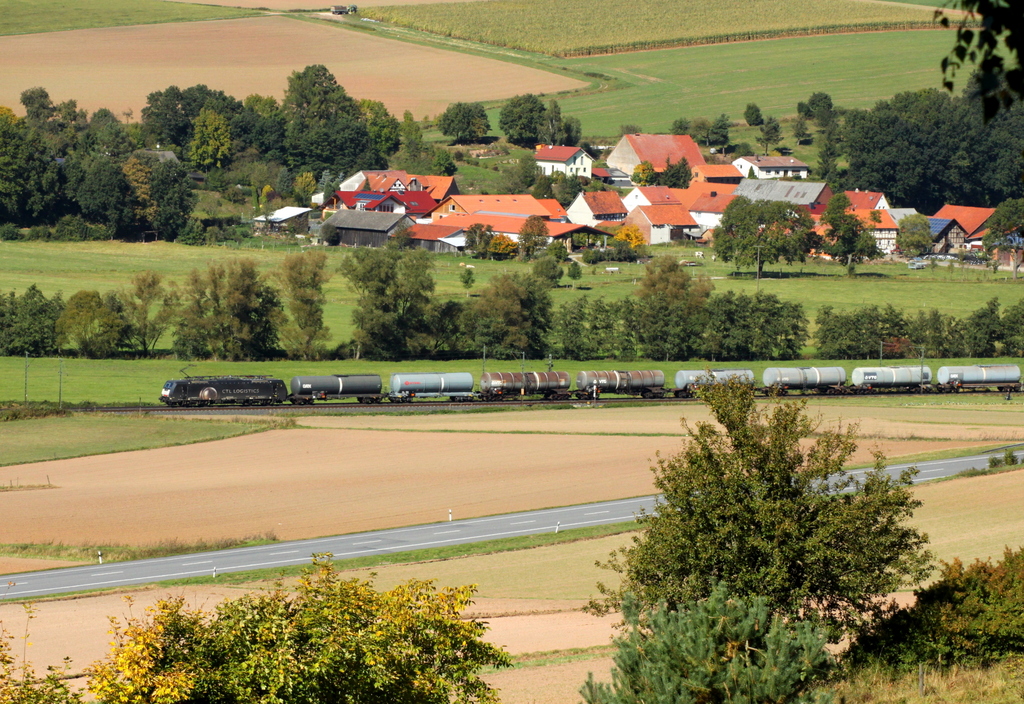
column 451, row 207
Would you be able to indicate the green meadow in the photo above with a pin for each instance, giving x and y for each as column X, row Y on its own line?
column 56, row 438
column 105, row 266
column 31, row 16
column 857, row 70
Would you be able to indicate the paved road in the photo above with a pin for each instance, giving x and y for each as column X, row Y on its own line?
column 118, row 574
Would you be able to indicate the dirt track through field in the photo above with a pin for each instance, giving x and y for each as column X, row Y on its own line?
column 118, row 67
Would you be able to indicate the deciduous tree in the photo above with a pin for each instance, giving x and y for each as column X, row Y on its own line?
column 393, row 289
column 847, row 238
column 548, row 270
column 88, row 326
column 748, row 504
column 759, row 232
column 171, row 190
column 384, row 129
column 915, row 235
column 522, row 119
column 211, row 140
column 631, row 235
column 331, row 640
column 464, row 123
column 511, row 316
column 1006, row 231
column 148, row 309
column 644, row 174
column 302, row 282
column 532, row 236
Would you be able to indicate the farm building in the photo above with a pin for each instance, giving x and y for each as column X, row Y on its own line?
column 556, row 212
column 771, row 167
column 657, row 149
column 973, row 220
column 439, row 187
column 867, row 200
column 571, row 161
column 813, row 196
column 716, row 173
column 707, row 210
column 884, row 226
column 649, row 195
column 444, row 239
column 596, row 208
column 415, row 204
column 669, row 222
column 290, row 219
column 519, row 206
column 947, row 235
column 362, row 228
column 561, row 232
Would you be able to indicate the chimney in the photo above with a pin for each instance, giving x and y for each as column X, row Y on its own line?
column 714, row 194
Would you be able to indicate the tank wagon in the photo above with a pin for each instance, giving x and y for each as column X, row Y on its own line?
column 365, row 388
column 867, row 378
column 1005, row 377
column 553, row 386
column 224, row 390
column 687, row 380
column 827, row 380
column 646, row 384
column 457, row 386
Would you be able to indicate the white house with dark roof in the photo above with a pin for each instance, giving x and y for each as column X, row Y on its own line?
column 771, row 167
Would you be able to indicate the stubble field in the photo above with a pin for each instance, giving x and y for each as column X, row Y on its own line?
column 118, row 67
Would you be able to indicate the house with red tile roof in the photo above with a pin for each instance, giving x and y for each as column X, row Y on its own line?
column 558, row 213
column 515, row 205
column 763, row 167
column 393, row 180
column 658, row 149
column 415, row 204
column 597, row 208
column 571, row 161
column 662, row 223
column 972, row 220
column 867, row 200
column 884, row 225
column 697, row 190
column 708, row 209
column 716, row 173
column 649, row 195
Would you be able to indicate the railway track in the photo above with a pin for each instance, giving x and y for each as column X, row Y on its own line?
column 353, row 407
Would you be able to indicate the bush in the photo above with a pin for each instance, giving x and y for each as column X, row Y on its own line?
column 9, row 232
column 970, row 615
column 993, row 463
column 1009, row 459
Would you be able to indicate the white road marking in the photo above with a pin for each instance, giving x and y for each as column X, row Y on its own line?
column 104, row 574
column 443, row 532
column 594, row 513
column 284, row 552
column 188, row 564
column 368, row 542
column 519, row 523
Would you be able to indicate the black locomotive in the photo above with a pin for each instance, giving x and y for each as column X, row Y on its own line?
column 218, row 390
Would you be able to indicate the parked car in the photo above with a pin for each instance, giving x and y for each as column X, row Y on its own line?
column 916, row 264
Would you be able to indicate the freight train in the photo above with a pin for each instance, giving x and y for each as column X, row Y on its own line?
column 556, row 386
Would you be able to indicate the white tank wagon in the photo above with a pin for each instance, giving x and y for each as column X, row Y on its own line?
column 866, row 378
column 1005, row 377
column 820, row 379
column 454, row 385
column 687, row 380
column 553, row 386
column 645, row 383
column 363, row 387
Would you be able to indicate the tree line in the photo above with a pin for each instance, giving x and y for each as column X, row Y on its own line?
column 228, row 311
column 119, row 178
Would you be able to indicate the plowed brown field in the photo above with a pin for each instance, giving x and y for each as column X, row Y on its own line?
column 303, row 483
column 118, row 67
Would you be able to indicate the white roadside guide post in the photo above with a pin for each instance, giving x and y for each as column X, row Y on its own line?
column 215, row 571
column 100, row 553
column 558, row 524
column 449, row 515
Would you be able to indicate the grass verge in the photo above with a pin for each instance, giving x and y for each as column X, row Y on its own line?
column 80, row 435
column 488, row 547
column 123, row 553
column 33, row 16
